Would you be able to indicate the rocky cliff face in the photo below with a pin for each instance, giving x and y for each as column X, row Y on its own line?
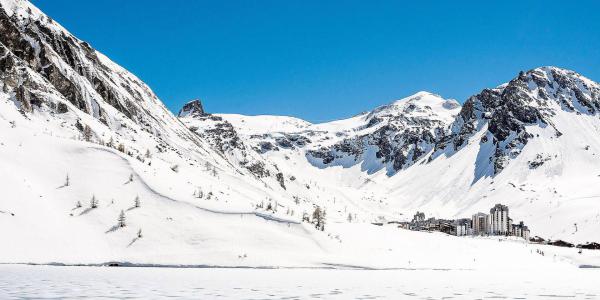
column 394, row 136
column 531, row 99
column 48, row 70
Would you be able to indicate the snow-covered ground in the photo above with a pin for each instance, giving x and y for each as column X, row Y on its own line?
column 50, row 282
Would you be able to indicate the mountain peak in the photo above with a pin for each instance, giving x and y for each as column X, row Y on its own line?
column 192, row 108
column 426, row 98
column 422, row 100
column 551, row 68
column 549, row 72
column 420, row 95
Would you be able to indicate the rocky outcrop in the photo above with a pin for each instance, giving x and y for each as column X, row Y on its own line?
column 530, row 99
column 400, row 134
column 225, row 140
column 193, row 108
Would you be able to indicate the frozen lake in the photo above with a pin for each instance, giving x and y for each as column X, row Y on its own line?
column 52, row 282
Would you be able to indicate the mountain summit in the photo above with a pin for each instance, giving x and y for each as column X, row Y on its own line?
column 192, row 108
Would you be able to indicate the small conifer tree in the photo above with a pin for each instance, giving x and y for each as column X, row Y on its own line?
column 121, row 219
column 94, row 202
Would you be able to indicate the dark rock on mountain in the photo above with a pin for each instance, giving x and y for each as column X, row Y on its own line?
column 192, row 108
column 400, row 133
column 264, row 147
column 225, row 140
column 530, row 99
column 292, row 140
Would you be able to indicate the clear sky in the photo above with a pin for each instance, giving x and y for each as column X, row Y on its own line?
column 325, row 60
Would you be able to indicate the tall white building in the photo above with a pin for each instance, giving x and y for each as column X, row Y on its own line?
column 480, row 224
column 499, row 220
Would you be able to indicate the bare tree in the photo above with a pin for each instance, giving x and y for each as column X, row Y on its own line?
column 148, row 154
column 137, row 202
column 139, row 234
column 67, row 180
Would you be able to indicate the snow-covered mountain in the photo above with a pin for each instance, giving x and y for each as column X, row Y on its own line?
column 528, row 143
column 49, row 71
column 390, row 137
column 532, row 143
column 393, row 136
column 533, row 99
column 81, row 138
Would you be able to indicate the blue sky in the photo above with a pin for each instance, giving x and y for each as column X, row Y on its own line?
column 325, row 60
